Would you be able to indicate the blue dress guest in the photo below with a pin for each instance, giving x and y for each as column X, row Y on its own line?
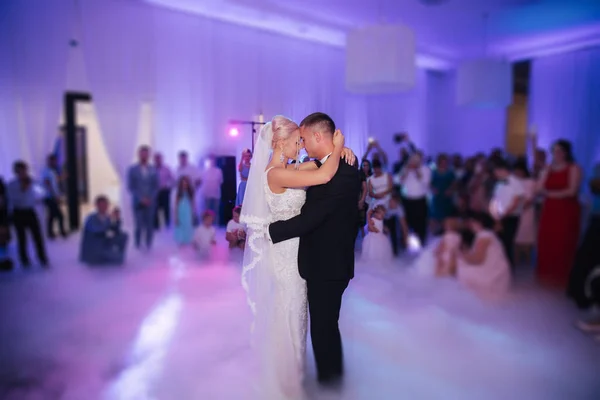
column 22, row 199
column 103, row 242
column 142, row 182
column 244, row 170
column 184, row 212
column 442, row 187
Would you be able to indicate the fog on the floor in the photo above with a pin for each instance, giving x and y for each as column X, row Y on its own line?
column 167, row 326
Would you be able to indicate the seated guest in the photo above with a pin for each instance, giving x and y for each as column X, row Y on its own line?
column 439, row 257
column 104, row 242
column 235, row 232
column 484, row 267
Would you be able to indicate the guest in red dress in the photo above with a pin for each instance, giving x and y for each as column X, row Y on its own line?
column 560, row 218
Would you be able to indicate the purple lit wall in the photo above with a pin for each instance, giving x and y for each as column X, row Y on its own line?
column 452, row 128
column 564, row 102
column 197, row 74
column 433, row 120
column 33, row 54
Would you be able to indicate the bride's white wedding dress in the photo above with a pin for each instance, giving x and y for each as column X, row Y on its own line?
column 275, row 291
column 284, row 354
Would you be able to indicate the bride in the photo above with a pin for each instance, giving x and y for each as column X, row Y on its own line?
column 276, row 292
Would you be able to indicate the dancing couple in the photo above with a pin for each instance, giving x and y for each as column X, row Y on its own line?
column 302, row 221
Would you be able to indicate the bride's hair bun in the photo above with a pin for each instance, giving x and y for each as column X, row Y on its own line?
column 282, row 127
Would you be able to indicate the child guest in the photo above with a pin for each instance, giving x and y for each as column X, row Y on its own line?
column 376, row 246
column 235, row 232
column 204, row 236
column 184, row 212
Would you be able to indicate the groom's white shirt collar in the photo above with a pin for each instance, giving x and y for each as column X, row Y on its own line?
column 325, row 158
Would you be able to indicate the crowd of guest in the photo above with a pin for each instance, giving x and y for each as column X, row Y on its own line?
column 504, row 215
column 480, row 218
column 160, row 199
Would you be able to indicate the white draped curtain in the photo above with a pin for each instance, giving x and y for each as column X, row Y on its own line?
column 209, row 72
column 564, row 102
column 118, row 49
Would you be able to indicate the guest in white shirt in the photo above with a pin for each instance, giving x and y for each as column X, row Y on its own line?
column 165, row 184
column 187, row 169
column 415, row 179
column 235, row 232
column 22, row 200
column 506, row 206
column 212, row 179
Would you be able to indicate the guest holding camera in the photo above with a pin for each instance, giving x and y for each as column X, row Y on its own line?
column 408, row 148
column 415, row 179
column 103, row 243
column 378, row 153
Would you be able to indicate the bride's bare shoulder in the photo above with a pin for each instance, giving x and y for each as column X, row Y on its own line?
column 277, row 189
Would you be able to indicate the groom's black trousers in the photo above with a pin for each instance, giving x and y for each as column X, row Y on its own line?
column 324, row 303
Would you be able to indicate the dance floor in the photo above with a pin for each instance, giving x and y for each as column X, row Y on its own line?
column 169, row 327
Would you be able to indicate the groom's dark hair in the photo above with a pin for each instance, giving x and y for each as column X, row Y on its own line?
column 319, row 121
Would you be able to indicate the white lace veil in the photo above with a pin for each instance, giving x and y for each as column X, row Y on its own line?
column 257, row 269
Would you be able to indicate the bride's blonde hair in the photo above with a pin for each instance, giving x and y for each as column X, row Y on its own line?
column 283, row 127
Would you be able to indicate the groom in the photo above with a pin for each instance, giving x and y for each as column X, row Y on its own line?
column 327, row 227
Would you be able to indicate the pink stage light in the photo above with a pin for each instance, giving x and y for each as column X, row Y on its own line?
column 233, row 132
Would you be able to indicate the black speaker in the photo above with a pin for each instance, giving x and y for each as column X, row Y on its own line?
column 228, row 188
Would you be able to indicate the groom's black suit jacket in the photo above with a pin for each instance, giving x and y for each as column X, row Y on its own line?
column 327, row 227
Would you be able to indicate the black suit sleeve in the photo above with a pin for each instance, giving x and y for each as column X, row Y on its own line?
column 311, row 217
